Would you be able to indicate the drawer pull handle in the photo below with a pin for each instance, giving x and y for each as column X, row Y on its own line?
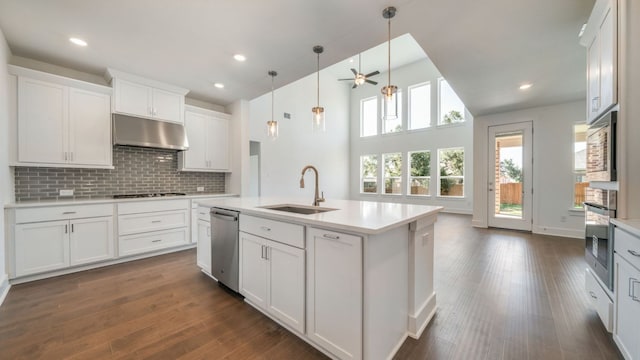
column 331, row 236
column 156, row 221
column 265, row 228
column 593, row 295
column 68, row 212
column 634, row 253
column 156, row 241
column 203, row 214
column 66, row 229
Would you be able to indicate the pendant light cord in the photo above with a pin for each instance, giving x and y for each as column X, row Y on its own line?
column 318, row 80
column 272, row 76
column 389, row 55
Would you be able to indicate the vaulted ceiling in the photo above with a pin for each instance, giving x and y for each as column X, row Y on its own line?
column 486, row 49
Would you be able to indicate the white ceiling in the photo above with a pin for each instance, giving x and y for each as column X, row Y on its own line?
column 485, row 49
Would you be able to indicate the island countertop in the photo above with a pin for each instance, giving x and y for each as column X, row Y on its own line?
column 366, row 217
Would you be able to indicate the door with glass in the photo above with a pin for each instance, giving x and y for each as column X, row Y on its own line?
column 509, row 191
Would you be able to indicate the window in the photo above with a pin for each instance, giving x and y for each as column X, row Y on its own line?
column 419, row 172
column 420, row 106
column 451, row 108
column 369, row 174
column 392, row 173
column 579, row 164
column 369, row 116
column 451, row 172
column 395, row 125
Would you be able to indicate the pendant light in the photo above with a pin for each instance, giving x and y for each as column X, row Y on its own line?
column 318, row 111
column 272, row 125
column 390, row 100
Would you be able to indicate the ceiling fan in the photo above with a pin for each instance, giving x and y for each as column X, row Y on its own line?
column 361, row 78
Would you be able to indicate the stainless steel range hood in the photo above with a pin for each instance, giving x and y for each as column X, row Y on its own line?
column 135, row 131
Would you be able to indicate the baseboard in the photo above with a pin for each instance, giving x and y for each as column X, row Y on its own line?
column 398, row 346
column 419, row 321
column 555, row 231
column 4, row 288
column 479, row 223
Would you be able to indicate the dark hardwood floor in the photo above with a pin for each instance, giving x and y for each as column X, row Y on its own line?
column 501, row 295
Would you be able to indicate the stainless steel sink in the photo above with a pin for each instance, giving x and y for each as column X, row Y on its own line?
column 298, row 209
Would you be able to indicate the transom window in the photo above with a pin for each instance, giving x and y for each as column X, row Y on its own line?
column 451, row 108
column 369, row 116
column 420, row 106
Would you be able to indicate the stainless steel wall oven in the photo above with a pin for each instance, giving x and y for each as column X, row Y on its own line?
column 598, row 209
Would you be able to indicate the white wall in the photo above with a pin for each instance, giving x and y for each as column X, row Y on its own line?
column 282, row 159
column 553, row 180
column 6, row 178
column 237, row 182
column 433, row 138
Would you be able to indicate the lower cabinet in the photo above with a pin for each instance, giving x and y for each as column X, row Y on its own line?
column 272, row 277
column 599, row 299
column 91, row 240
column 204, row 245
column 334, row 292
column 627, row 285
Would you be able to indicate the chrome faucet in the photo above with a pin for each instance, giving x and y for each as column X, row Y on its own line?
column 317, row 199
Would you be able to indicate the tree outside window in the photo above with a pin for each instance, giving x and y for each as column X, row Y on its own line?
column 419, row 172
column 369, row 174
column 392, row 173
column 451, row 108
column 451, row 172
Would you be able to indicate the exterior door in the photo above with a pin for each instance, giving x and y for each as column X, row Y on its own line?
column 510, row 188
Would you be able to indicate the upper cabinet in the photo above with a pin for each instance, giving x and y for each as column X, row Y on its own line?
column 208, row 134
column 60, row 122
column 600, row 37
column 142, row 97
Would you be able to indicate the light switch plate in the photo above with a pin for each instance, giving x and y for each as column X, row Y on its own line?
column 66, row 192
column 200, row 188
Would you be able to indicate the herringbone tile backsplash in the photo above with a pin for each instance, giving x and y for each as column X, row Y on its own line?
column 137, row 170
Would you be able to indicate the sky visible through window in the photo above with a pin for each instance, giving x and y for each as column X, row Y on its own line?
column 449, row 101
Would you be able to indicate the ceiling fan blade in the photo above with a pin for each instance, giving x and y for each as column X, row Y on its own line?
column 354, row 71
column 372, row 82
column 345, row 79
column 354, row 86
column 373, row 73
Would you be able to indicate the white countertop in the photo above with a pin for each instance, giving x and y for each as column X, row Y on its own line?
column 103, row 200
column 630, row 225
column 366, row 217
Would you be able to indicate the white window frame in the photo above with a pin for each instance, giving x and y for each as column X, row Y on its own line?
column 464, row 171
column 362, row 178
column 410, row 114
column 383, row 189
column 362, row 101
column 439, row 119
column 575, row 172
column 410, row 177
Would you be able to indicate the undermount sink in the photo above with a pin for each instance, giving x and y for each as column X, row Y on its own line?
column 298, row 209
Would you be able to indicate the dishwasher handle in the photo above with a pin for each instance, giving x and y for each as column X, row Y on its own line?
column 222, row 216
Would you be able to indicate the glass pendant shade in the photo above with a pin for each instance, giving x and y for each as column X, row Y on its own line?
column 272, row 129
column 318, row 118
column 390, row 103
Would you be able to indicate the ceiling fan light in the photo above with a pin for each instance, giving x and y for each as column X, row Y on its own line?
column 359, row 80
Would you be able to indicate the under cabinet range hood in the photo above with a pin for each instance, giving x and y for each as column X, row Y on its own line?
column 135, row 131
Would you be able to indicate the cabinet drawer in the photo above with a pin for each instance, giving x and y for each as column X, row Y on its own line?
column 62, row 213
column 137, row 223
column 134, row 244
column 152, row 205
column 627, row 246
column 203, row 214
column 290, row 234
column 599, row 300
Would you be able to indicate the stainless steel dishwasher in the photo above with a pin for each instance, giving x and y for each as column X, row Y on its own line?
column 225, row 247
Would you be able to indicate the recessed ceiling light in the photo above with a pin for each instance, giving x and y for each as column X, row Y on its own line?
column 525, row 86
column 239, row 57
column 78, row 42
column 219, row 85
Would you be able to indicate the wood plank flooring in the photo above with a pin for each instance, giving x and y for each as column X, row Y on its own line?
column 501, row 295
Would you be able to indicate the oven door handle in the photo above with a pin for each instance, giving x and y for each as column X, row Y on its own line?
column 599, row 209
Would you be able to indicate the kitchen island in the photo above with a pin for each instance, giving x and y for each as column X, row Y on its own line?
column 353, row 281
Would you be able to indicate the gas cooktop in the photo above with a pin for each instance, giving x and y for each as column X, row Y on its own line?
column 148, row 195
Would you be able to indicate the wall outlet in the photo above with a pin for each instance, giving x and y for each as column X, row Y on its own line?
column 66, row 192
column 200, row 188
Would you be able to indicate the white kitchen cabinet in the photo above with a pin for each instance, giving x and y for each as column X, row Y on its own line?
column 253, row 269
column 204, row 245
column 59, row 125
column 334, row 292
column 599, row 299
column 91, row 240
column 627, row 287
column 601, row 39
column 208, row 134
column 134, row 95
column 41, row 247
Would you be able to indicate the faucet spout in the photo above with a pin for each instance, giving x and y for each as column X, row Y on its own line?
column 317, row 198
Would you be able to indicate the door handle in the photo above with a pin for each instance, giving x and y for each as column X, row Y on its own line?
column 72, row 228
column 331, row 236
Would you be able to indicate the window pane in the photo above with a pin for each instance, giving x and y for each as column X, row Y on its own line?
column 579, row 164
column 369, row 174
column 420, row 106
column 394, row 125
column 451, row 171
column 419, row 172
column 451, row 107
column 392, row 173
column 579, row 189
column 369, row 116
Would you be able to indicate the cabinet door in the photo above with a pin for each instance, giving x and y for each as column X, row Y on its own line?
column 89, row 128
column 608, row 49
column 218, row 144
column 286, row 284
column 42, row 121
column 196, row 127
column 168, row 106
column 41, row 247
column 132, row 98
column 627, row 287
column 91, row 240
column 204, row 245
column 253, row 269
column 334, row 292
column 593, row 75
